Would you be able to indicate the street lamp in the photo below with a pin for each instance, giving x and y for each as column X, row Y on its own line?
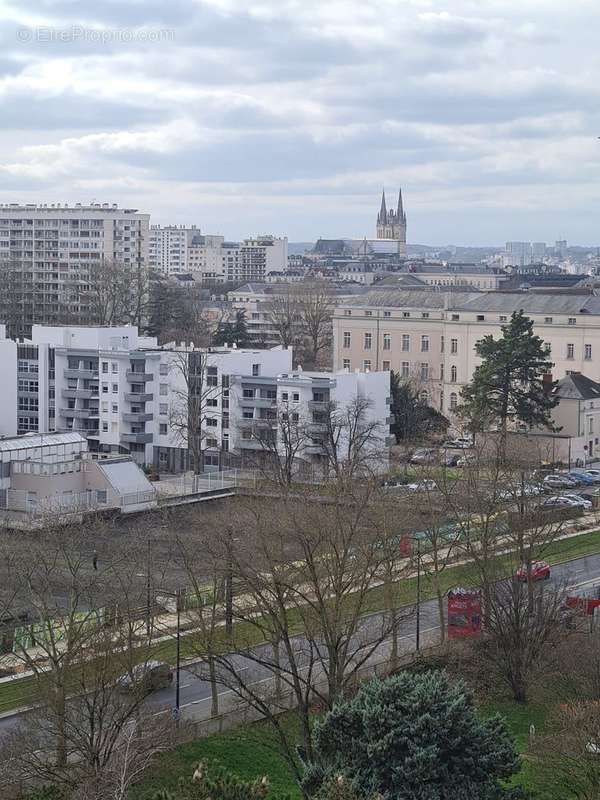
column 417, row 539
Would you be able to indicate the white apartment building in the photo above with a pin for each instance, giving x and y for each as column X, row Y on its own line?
column 205, row 258
column 429, row 337
column 121, row 391
column 168, row 248
column 49, row 251
column 253, row 259
column 308, row 397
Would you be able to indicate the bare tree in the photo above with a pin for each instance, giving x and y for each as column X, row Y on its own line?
column 351, row 439
column 285, row 314
column 114, row 293
column 316, row 301
column 195, row 392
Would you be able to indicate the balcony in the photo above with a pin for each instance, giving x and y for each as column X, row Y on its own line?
column 80, row 413
column 81, row 373
column 138, row 377
column 259, row 402
column 139, row 397
column 134, row 416
column 318, row 405
column 79, row 394
column 136, row 438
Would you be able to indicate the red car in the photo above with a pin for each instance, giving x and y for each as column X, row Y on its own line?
column 540, row 571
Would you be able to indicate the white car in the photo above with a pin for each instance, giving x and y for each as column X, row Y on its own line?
column 558, row 482
column 566, row 501
column 578, row 501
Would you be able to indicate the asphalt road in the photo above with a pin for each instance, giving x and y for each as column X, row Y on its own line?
column 582, row 573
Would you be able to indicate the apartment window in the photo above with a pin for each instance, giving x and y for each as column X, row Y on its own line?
column 570, row 351
column 387, row 313
column 105, row 427
column 455, row 317
column 346, row 363
column 212, row 422
column 114, row 367
column 212, row 402
column 212, row 443
column 347, row 339
column 368, row 340
column 162, row 428
column 163, row 389
column 255, row 370
column 405, row 369
column 405, row 342
column 441, row 344
column 296, row 397
column 105, row 367
column 115, row 388
column 548, row 320
column 387, row 341
column 386, row 366
column 590, row 424
column 105, row 408
column 105, row 388
column 406, row 314
column 163, row 369
column 248, row 394
column 424, row 344
column 347, row 313
column 247, row 413
column 115, row 408
column 572, row 321
column 163, row 408
column 424, row 371
column 502, row 318
column 587, row 352
column 425, row 315
column 453, row 401
column 454, row 346
column 480, row 318
column 284, row 395
column 368, row 313
column 367, row 364
column 441, row 372
column 453, row 374
column 547, row 348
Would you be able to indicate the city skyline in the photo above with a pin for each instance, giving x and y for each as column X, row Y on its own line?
column 270, row 117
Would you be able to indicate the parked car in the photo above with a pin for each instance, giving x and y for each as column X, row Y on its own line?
column 563, row 501
column 582, row 477
column 460, row 443
column 540, row 571
column 423, row 456
column 578, row 501
column 592, row 475
column 558, row 481
column 147, row 677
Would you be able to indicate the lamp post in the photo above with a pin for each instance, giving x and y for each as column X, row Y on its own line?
column 178, row 656
column 418, row 620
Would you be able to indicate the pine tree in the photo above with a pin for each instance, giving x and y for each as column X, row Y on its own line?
column 411, row 737
column 414, row 420
column 508, row 386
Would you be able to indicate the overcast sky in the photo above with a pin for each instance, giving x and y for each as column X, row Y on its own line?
column 288, row 116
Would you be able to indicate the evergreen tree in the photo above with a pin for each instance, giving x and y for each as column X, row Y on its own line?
column 233, row 332
column 414, row 737
column 414, row 420
column 508, row 385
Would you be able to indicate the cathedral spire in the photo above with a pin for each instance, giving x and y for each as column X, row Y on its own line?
column 382, row 217
column 401, row 216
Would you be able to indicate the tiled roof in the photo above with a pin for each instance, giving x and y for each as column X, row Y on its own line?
column 577, row 387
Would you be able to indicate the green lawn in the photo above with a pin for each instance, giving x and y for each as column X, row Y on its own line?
column 249, row 752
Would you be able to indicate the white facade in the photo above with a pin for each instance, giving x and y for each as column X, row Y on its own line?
column 168, row 249
column 205, row 258
column 253, row 259
column 56, row 247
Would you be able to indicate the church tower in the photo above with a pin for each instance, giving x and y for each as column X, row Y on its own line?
column 392, row 224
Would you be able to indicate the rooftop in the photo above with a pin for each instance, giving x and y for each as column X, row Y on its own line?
column 577, row 387
column 29, row 440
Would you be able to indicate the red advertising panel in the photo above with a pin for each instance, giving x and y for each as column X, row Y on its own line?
column 464, row 612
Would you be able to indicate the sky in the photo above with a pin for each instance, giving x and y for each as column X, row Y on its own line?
column 288, row 116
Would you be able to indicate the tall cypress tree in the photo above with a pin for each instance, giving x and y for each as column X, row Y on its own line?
column 508, row 386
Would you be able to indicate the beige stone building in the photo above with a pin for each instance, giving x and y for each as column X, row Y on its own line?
column 430, row 337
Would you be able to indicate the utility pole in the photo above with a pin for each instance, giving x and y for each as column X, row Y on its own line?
column 418, row 620
column 178, row 657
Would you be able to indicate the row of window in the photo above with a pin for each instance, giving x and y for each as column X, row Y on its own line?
column 405, row 342
column 456, row 317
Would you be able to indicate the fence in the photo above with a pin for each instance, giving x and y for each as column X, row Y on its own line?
column 189, row 483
